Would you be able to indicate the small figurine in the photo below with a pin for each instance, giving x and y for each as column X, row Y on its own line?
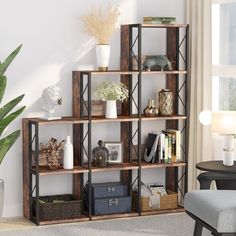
column 160, row 60
column 51, row 97
column 100, row 155
column 53, row 152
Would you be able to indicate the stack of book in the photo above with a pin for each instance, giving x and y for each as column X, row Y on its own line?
column 163, row 147
column 159, row 20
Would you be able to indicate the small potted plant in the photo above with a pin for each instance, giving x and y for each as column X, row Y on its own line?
column 100, row 23
column 111, row 92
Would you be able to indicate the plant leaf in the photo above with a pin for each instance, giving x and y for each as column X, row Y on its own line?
column 7, row 142
column 3, row 83
column 8, row 119
column 9, row 106
column 9, row 59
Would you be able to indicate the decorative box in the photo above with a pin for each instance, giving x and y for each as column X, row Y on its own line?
column 57, row 207
column 110, row 189
column 109, row 198
column 112, row 205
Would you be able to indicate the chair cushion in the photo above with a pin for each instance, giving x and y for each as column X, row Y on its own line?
column 216, row 208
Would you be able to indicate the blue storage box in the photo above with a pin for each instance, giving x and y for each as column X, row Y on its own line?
column 109, row 198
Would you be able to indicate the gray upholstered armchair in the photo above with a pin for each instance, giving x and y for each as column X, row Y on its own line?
column 213, row 209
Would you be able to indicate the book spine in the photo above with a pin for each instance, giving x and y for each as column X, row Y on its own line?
column 169, row 148
column 161, row 148
column 178, row 145
column 166, row 157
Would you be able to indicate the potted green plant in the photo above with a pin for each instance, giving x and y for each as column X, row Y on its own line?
column 111, row 92
column 100, row 23
column 6, row 117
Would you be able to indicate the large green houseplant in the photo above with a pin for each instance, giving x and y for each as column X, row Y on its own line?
column 6, row 116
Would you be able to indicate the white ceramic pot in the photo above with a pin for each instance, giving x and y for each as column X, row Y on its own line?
column 1, row 195
column 111, row 110
column 103, row 55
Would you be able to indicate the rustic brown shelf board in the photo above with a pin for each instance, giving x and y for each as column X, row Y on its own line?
column 111, row 167
column 113, row 216
column 63, row 121
column 101, row 119
column 164, row 25
column 109, row 72
column 164, row 72
column 145, row 165
column 174, row 117
column 50, row 222
column 60, row 171
column 164, row 211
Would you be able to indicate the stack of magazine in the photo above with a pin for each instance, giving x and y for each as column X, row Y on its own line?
column 158, row 20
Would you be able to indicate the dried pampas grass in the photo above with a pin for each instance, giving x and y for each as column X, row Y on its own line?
column 100, row 23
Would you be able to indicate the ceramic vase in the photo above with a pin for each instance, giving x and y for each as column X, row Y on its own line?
column 150, row 110
column 68, row 158
column 111, row 110
column 1, row 195
column 103, row 55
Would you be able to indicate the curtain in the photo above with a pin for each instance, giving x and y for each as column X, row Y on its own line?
column 200, row 138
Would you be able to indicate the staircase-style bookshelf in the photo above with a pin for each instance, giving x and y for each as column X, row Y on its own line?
column 177, row 81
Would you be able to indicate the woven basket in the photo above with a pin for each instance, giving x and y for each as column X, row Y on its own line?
column 58, row 207
column 168, row 201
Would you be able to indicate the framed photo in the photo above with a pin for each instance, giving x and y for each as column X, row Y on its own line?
column 115, row 152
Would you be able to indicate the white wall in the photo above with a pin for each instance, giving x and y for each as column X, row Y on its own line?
column 53, row 46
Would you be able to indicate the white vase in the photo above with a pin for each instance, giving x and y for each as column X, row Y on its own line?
column 111, row 110
column 1, row 195
column 103, row 55
column 68, row 158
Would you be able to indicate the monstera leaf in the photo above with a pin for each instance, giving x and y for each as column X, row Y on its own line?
column 5, row 117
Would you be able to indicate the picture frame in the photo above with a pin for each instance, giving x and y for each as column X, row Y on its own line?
column 115, row 152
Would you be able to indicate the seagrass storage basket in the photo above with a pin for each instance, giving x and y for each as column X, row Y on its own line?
column 168, row 201
column 58, row 207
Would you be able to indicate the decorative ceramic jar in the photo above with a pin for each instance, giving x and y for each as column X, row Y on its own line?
column 111, row 110
column 166, row 102
column 150, row 109
column 1, row 195
column 103, row 55
column 100, row 155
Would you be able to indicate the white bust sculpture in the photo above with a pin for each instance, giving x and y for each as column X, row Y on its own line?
column 51, row 97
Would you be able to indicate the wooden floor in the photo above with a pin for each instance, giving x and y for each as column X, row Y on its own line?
column 19, row 223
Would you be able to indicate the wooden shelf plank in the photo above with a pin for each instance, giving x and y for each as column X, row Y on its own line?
column 113, row 167
column 173, row 117
column 164, row 25
column 113, row 216
column 43, row 171
column 102, row 119
column 164, row 72
column 166, row 211
column 145, row 165
column 50, row 222
column 134, row 72
column 62, row 121
column 109, row 72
